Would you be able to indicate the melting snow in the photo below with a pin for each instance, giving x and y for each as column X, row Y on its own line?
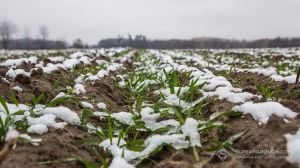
column 63, row 113
column 230, row 95
column 11, row 134
column 18, row 89
column 13, row 73
column 123, row 117
column 70, row 63
column 87, row 105
column 17, row 62
column 101, row 105
column 37, row 129
column 149, row 118
column 190, row 128
column 293, row 147
column 79, row 89
column 47, row 120
column 263, row 111
column 119, row 162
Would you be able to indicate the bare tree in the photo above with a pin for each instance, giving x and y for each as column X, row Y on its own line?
column 7, row 31
column 43, row 33
column 27, row 37
column 78, row 43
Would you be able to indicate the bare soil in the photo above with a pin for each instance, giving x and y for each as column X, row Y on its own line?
column 64, row 143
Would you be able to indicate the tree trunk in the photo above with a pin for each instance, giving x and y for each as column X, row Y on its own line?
column 5, row 44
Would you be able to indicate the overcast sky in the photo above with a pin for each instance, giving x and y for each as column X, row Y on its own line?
column 93, row 20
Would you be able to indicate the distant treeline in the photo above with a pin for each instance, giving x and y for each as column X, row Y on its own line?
column 34, row 44
column 8, row 31
column 141, row 41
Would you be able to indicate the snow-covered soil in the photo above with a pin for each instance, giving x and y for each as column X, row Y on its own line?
column 149, row 108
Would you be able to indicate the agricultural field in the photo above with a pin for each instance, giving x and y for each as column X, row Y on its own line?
column 130, row 108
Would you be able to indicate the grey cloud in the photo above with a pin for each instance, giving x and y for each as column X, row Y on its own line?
column 95, row 19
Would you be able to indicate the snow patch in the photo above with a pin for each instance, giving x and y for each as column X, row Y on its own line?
column 87, row 105
column 293, row 147
column 263, row 111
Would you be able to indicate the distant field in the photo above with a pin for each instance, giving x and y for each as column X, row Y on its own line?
column 150, row 108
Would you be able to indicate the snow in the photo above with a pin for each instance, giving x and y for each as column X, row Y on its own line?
column 288, row 79
column 167, row 92
column 102, row 73
column 87, row 105
column 100, row 114
column 101, row 105
column 59, row 95
column 122, row 84
column 13, row 62
column 37, row 129
column 114, row 67
column 151, row 144
column 106, row 143
column 79, row 89
column 174, row 100
column 177, row 140
column 79, row 79
column 14, row 108
column 18, row 89
column 119, row 162
column 46, row 119
column 17, row 62
column 13, row 73
column 230, row 95
column 5, row 80
column 177, row 136
column 64, row 114
column 52, row 67
column 76, row 55
column 56, row 59
column 11, row 134
column 213, row 83
column 293, row 147
column 92, row 128
column 263, row 111
column 85, row 60
column 70, row 63
column 33, row 141
column 39, row 125
column 190, row 129
column 124, row 118
column 266, row 72
column 90, row 77
column 149, row 118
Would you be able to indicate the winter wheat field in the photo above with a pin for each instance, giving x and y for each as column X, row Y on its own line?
column 150, row 108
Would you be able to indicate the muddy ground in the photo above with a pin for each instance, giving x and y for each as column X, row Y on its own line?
column 65, row 143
